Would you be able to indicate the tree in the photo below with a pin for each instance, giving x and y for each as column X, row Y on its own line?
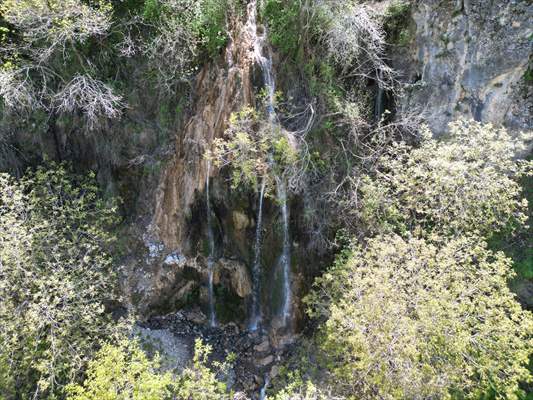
column 408, row 319
column 125, row 372
column 464, row 183
column 46, row 36
column 55, row 278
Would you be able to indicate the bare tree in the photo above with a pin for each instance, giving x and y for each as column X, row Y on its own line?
column 50, row 25
column 16, row 90
column 50, row 34
column 355, row 40
column 92, row 97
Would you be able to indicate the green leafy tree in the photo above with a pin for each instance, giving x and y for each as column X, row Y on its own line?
column 408, row 319
column 466, row 182
column 125, row 372
column 55, row 279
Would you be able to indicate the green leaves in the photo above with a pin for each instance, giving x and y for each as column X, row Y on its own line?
column 55, row 277
column 124, row 372
column 410, row 319
column 466, row 183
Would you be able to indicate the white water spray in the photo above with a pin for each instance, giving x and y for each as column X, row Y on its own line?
column 262, row 393
column 256, row 270
column 211, row 256
column 259, row 37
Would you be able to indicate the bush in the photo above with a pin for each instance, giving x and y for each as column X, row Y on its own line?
column 257, row 149
column 186, row 33
column 464, row 183
column 283, row 20
column 406, row 319
column 55, row 277
column 125, row 372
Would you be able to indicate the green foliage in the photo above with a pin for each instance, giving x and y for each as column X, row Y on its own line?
column 396, row 23
column 125, row 372
column 519, row 247
column 408, row 319
column 298, row 389
column 441, row 187
column 212, row 27
column 528, row 76
column 55, row 278
column 203, row 21
column 283, row 20
column 198, row 381
column 151, row 10
column 256, row 149
column 122, row 372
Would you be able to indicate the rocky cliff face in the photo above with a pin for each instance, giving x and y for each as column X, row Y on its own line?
column 470, row 58
column 464, row 58
column 175, row 269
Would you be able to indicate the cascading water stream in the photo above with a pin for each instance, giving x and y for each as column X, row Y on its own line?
column 262, row 393
column 211, row 256
column 259, row 40
column 285, row 259
column 256, row 270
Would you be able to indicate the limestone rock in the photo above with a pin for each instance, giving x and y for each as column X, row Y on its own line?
column 240, row 220
column 468, row 62
column 240, row 280
column 263, row 362
column 262, row 347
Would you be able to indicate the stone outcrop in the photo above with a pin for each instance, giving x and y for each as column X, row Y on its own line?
column 220, row 90
column 469, row 59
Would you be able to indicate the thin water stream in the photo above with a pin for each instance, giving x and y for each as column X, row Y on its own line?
column 285, row 258
column 256, row 270
column 263, row 57
column 211, row 256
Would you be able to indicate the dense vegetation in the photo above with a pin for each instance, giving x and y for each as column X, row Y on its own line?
column 417, row 304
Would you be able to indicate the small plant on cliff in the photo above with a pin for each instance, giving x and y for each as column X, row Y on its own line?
column 397, row 21
column 257, row 149
column 406, row 319
column 55, row 279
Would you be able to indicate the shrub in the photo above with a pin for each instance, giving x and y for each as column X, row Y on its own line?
column 406, row 319
column 283, row 20
column 258, row 149
column 55, row 277
column 125, row 372
column 464, row 183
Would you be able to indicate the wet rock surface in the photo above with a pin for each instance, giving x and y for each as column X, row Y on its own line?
column 256, row 357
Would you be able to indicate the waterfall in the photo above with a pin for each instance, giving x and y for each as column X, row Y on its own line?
column 285, row 258
column 259, row 36
column 211, row 256
column 256, row 270
column 379, row 102
column 262, row 393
